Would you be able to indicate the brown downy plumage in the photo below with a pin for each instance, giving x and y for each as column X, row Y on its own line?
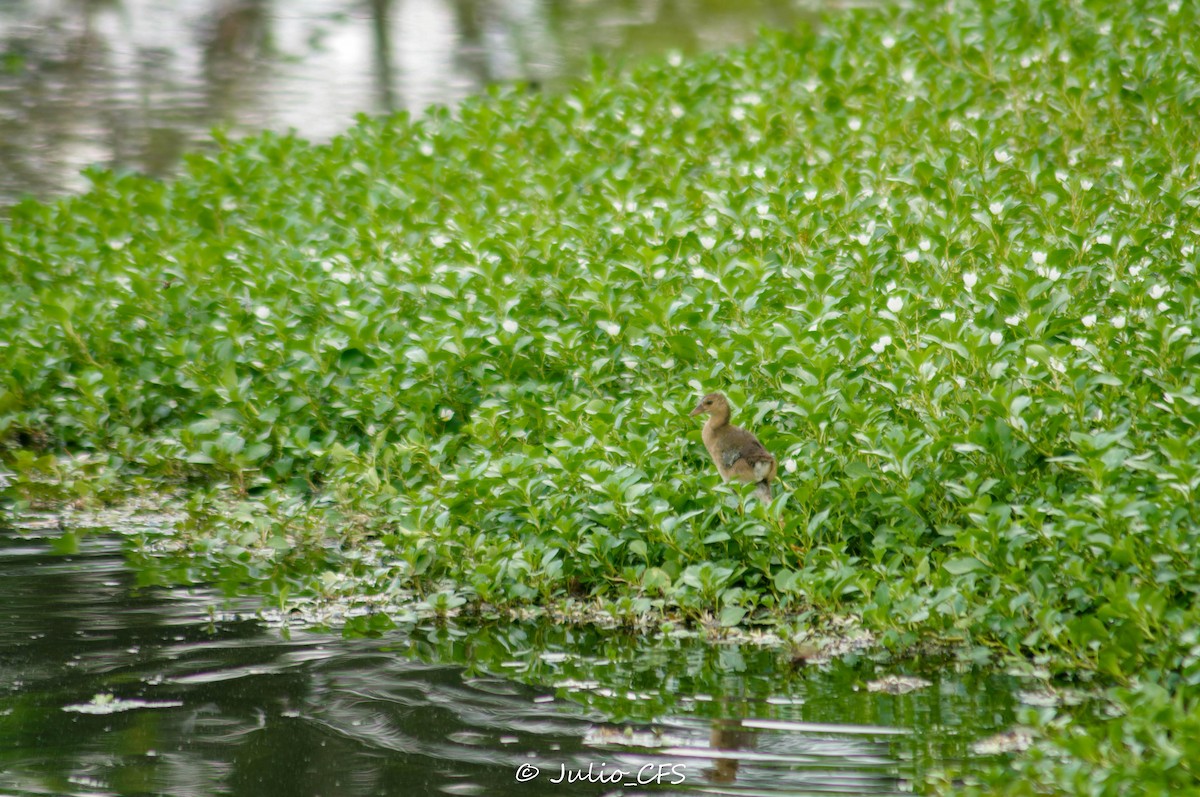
column 736, row 453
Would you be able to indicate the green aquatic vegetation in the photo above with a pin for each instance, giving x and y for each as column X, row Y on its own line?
column 942, row 259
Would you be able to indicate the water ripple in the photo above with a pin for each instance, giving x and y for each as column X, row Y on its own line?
column 111, row 688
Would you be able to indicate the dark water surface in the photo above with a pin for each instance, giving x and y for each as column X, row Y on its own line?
column 134, row 84
column 111, row 688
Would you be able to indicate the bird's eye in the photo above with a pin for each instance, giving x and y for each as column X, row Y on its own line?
column 708, row 402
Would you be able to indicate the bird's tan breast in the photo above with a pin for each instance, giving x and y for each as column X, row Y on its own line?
column 711, row 442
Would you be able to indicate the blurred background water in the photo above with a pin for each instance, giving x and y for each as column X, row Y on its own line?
column 134, row 84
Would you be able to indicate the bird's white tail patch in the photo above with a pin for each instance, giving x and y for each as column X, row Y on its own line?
column 761, row 469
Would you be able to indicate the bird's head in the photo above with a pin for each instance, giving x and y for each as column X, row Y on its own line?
column 713, row 402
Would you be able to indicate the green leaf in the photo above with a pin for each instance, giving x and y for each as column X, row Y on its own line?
column 731, row 616
column 962, row 565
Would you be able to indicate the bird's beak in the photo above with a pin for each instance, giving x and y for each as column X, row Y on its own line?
column 697, row 411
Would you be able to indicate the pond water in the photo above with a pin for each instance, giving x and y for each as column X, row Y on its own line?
column 111, row 686
column 134, row 84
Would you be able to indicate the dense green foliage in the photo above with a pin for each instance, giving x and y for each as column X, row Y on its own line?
column 943, row 260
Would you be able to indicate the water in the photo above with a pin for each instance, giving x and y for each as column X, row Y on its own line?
column 110, row 685
column 134, row 84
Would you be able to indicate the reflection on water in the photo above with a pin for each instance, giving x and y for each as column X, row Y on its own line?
column 114, row 689
column 135, row 83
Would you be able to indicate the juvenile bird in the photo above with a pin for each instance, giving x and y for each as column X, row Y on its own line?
column 736, row 453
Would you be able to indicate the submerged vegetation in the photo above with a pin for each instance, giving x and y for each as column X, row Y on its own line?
column 941, row 258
